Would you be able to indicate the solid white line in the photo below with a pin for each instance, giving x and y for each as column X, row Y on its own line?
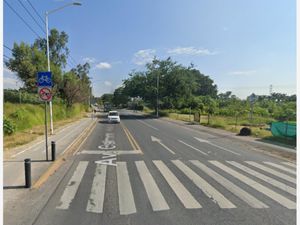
column 240, row 193
column 257, row 186
column 290, row 164
column 182, row 193
column 192, row 147
column 156, row 198
column 126, row 199
column 267, row 179
column 273, row 172
column 19, row 153
column 281, row 167
column 96, row 199
column 217, row 146
column 148, row 125
column 208, row 190
column 72, row 187
column 166, row 148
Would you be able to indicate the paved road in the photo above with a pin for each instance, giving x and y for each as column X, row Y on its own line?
column 148, row 171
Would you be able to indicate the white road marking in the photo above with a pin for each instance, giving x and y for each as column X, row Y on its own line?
column 192, row 147
column 290, row 164
column 109, row 162
column 117, row 152
column 240, row 193
column 273, row 172
column 257, row 186
column 126, row 199
column 72, row 187
column 148, row 125
column 96, row 199
column 217, row 146
column 208, row 190
column 154, row 139
column 108, row 142
column 182, row 193
column 267, row 179
column 281, row 167
column 156, row 198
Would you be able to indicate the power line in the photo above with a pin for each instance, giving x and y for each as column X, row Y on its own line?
column 42, row 29
column 36, row 12
column 7, row 47
column 21, row 18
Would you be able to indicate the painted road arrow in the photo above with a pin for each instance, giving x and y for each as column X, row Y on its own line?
column 154, row 139
column 208, row 142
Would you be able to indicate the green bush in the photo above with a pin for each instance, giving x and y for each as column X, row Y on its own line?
column 8, row 126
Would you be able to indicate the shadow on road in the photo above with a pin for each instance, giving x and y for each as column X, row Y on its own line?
column 14, row 187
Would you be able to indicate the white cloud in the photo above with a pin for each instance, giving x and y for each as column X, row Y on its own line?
column 103, row 65
column 107, row 83
column 143, row 56
column 7, row 71
column 242, row 72
column 190, row 51
column 89, row 60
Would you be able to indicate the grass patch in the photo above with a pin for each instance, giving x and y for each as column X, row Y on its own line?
column 30, row 119
column 258, row 126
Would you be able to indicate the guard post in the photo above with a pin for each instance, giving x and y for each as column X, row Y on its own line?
column 27, row 165
column 53, row 150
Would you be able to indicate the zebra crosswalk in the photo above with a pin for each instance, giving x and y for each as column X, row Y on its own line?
column 260, row 185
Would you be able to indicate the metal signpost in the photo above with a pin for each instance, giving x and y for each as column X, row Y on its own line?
column 44, row 83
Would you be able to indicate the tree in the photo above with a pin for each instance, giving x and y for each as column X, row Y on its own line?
column 57, row 47
column 120, row 98
column 210, row 107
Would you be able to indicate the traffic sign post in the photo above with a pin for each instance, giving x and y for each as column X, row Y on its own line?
column 44, row 83
column 45, row 93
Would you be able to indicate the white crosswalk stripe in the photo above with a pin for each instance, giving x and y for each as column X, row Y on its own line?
column 247, row 174
column 281, row 167
column 252, row 201
column 267, row 179
column 126, row 200
column 96, row 199
column 273, row 172
column 290, row 164
column 252, row 183
column 208, row 190
column 72, row 187
column 182, row 193
column 156, row 198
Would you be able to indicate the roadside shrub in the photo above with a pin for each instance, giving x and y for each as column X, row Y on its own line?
column 245, row 131
column 8, row 126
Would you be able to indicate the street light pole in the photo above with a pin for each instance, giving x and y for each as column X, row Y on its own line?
column 48, row 53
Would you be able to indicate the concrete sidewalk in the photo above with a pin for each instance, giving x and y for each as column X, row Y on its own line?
column 13, row 165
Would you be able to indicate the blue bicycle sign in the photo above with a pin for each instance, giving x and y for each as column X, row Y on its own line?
column 44, row 79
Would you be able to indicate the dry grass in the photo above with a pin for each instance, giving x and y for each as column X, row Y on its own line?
column 24, row 137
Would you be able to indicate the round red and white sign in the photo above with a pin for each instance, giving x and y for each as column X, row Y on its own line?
column 45, row 94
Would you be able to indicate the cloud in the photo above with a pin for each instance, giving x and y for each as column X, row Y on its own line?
column 190, row 51
column 7, row 71
column 89, row 60
column 242, row 72
column 107, row 83
column 103, row 65
column 143, row 56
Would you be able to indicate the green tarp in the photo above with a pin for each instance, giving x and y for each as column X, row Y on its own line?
column 283, row 129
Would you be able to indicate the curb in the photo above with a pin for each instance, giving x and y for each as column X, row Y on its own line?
column 62, row 158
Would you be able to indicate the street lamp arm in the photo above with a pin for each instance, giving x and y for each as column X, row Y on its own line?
column 62, row 7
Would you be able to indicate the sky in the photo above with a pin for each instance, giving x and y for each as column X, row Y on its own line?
column 244, row 46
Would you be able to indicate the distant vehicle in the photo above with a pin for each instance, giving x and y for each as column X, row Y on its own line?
column 113, row 117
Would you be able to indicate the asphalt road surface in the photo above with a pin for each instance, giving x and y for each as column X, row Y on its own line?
column 148, row 171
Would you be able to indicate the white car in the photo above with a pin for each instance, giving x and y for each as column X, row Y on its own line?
column 113, row 117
